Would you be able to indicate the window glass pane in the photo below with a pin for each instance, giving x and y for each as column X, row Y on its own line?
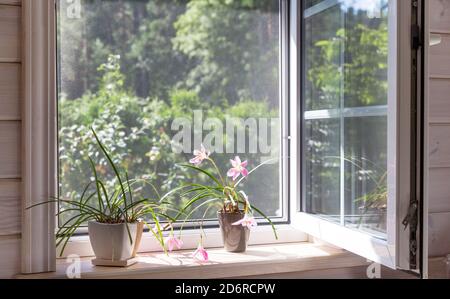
column 366, row 173
column 141, row 71
column 322, row 166
column 323, row 82
column 365, row 44
column 345, row 91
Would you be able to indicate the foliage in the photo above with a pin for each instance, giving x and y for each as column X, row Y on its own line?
column 219, row 189
column 165, row 45
column 218, row 36
column 218, row 56
column 346, row 55
column 157, row 69
column 112, row 204
column 137, row 130
column 363, row 71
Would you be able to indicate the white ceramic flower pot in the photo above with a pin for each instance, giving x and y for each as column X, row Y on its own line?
column 111, row 242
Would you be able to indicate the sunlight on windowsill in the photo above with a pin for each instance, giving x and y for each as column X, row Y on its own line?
column 258, row 260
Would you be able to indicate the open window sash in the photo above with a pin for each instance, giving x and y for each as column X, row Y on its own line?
column 394, row 248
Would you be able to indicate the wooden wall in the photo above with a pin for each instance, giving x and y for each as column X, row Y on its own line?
column 439, row 128
column 10, row 134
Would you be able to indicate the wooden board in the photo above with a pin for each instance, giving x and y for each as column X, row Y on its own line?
column 10, row 91
column 439, row 16
column 10, row 203
column 439, row 130
column 437, row 268
column 439, row 147
column 439, row 60
column 10, row 150
column 10, row 33
column 439, row 186
column 10, row 256
column 258, row 260
column 11, row 2
column 439, row 103
column 438, row 234
column 10, row 206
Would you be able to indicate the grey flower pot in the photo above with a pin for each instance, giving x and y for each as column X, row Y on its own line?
column 111, row 242
column 235, row 237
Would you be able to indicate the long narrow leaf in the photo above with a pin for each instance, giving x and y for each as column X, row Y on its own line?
column 129, row 187
column 256, row 168
column 268, row 219
column 70, row 234
column 99, row 196
column 195, row 209
column 159, row 231
column 111, row 162
column 193, row 201
column 202, row 171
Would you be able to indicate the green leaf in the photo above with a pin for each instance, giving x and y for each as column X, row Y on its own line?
column 268, row 219
column 256, row 168
column 204, row 172
column 99, row 197
column 196, row 208
column 105, row 152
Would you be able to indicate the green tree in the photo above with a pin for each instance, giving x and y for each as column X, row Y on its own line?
column 233, row 42
column 129, row 68
column 157, row 67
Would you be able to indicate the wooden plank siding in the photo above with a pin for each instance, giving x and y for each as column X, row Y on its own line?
column 439, row 15
column 439, row 108
column 10, row 207
column 439, row 129
column 10, row 256
column 10, row 150
column 438, row 231
column 439, row 60
column 439, row 145
column 10, row 91
column 10, row 137
column 11, row 2
column 10, row 32
column 439, row 186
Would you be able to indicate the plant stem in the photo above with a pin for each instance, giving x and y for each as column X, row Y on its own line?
column 217, row 169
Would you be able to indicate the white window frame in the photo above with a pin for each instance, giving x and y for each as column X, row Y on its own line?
column 392, row 252
column 39, row 167
column 263, row 234
column 42, row 228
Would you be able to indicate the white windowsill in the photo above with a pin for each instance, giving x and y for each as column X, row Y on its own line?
column 258, row 260
column 260, row 235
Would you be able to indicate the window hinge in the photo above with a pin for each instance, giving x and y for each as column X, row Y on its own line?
column 416, row 36
column 416, row 40
column 412, row 221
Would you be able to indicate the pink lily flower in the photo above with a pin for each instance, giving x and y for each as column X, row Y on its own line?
column 200, row 155
column 247, row 221
column 238, row 168
column 173, row 242
column 202, row 252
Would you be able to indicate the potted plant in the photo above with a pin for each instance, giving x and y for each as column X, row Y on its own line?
column 372, row 205
column 114, row 216
column 236, row 214
column 375, row 203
